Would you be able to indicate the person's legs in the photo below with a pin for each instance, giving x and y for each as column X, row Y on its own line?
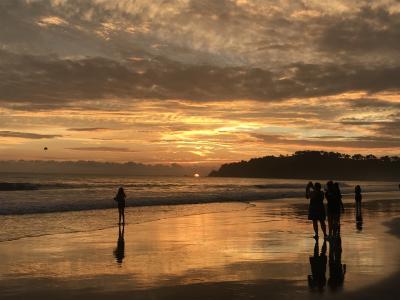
column 334, row 226
column 315, row 226
column 330, row 224
column 120, row 215
column 123, row 215
column 323, row 227
column 358, row 208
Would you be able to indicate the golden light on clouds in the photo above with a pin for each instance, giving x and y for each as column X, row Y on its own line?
column 197, row 82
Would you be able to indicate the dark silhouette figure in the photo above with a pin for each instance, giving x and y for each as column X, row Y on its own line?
column 119, row 251
column 317, row 280
column 337, row 270
column 316, row 209
column 335, row 207
column 358, row 198
column 120, row 198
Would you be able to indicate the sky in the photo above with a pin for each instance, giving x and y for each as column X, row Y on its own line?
column 197, row 82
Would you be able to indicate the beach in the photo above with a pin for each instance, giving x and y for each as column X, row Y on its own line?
column 231, row 250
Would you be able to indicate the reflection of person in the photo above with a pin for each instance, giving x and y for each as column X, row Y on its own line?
column 337, row 270
column 120, row 198
column 316, row 209
column 119, row 251
column 358, row 198
column 318, row 268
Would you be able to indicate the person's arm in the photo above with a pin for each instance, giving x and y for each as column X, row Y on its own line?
column 341, row 204
column 308, row 189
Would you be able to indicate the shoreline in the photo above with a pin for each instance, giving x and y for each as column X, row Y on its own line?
column 171, row 211
column 250, row 251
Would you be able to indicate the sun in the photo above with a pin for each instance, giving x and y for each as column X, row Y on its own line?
column 196, row 175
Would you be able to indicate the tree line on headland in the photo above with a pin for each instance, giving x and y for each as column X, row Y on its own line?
column 315, row 164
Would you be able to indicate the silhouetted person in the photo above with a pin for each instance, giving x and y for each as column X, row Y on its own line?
column 338, row 194
column 316, row 209
column 318, row 268
column 119, row 252
column 358, row 198
column 337, row 270
column 335, row 206
column 120, row 198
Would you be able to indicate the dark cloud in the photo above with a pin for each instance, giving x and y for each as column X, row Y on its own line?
column 390, row 128
column 54, row 81
column 373, row 104
column 332, row 142
column 27, row 135
column 86, row 53
column 369, row 30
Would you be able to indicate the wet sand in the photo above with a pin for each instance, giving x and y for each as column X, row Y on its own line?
column 234, row 251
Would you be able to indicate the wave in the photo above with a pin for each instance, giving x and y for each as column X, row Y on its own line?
column 65, row 196
column 79, row 204
column 27, row 186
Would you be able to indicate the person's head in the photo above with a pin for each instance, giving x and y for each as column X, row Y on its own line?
column 336, row 187
column 317, row 186
column 121, row 190
column 357, row 189
column 329, row 185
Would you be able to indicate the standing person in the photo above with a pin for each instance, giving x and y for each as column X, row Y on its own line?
column 338, row 195
column 316, row 209
column 120, row 198
column 335, row 205
column 330, row 207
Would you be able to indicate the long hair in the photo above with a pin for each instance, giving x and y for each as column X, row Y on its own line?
column 121, row 192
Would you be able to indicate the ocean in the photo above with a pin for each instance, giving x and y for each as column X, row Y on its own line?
column 39, row 204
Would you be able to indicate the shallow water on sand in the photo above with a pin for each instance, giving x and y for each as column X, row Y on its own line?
column 243, row 243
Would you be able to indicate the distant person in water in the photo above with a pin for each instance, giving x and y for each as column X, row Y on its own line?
column 358, row 198
column 120, row 198
column 316, row 209
column 335, row 207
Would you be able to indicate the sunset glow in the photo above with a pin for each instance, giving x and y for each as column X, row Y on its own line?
column 197, row 82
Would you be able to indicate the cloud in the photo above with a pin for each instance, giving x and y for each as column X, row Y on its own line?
column 177, row 74
column 374, row 103
column 208, row 51
column 88, row 129
column 27, row 135
column 370, row 30
column 27, row 78
column 106, row 149
column 367, row 142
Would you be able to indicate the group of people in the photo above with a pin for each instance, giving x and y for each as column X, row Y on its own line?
column 316, row 210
